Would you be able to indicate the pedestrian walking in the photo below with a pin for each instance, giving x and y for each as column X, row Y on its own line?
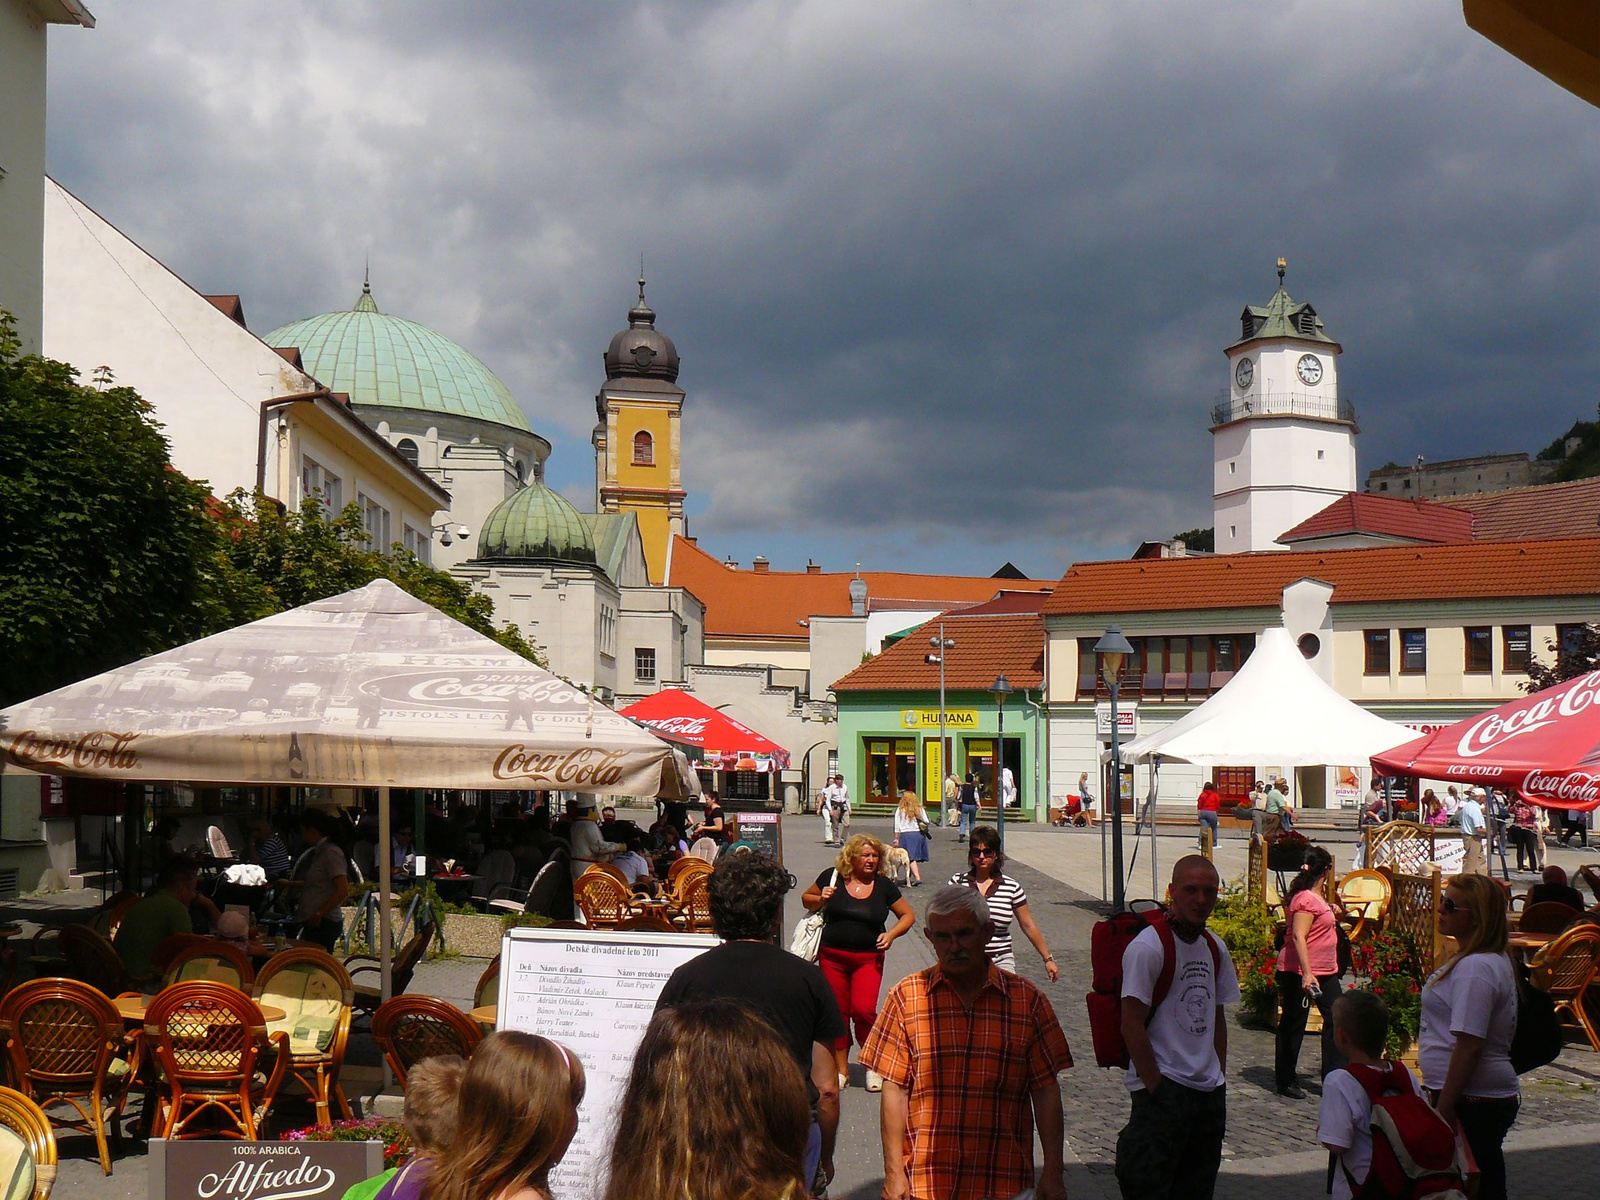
column 1524, row 831
column 1574, row 822
column 746, row 893
column 1208, row 811
column 1006, row 899
column 841, row 811
column 856, row 898
column 1086, row 798
column 969, row 805
column 911, row 834
column 952, row 797
column 1308, row 971
column 827, row 805
column 1474, row 824
column 1469, row 1012
column 1172, row 1144
column 969, row 1056
column 1008, row 788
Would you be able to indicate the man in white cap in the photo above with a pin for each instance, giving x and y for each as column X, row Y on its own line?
column 588, row 847
column 1474, row 824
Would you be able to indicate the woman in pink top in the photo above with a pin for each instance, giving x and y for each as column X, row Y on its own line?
column 1308, row 971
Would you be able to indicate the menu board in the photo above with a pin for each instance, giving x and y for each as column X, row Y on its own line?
column 764, row 831
column 593, row 991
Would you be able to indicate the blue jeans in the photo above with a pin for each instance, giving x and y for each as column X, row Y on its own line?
column 813, row 1156
column 969, row 818
column 1212, row 819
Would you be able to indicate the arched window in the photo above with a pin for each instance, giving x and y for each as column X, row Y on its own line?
column 408, row 450
column 644, row 450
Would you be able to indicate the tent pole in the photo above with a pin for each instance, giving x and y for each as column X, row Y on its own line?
column 385, row 879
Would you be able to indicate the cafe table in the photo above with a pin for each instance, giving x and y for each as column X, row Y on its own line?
column 132, row 1009
column 489, row 1015
column 1528, row 943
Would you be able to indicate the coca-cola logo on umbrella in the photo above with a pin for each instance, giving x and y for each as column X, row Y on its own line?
column 683, row 726
column 1496, row 729
column 1575, row 789
column 473, row 691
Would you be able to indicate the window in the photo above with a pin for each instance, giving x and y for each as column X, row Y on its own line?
column 644, row 664
column 1384, row 486
column 317, row 481
column 608, row 634
column 1377, row 641
column 644, row 450
column 408, row 450
column 418, row 542
column 1515, row 646
column 1480, row 649
column 1568, row 641
column 1319, row 453
column 375, row 520
column 1233, row 468
column 1413, row 651
column 1227, row 649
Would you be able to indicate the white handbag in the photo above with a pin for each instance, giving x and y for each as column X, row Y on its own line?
column 807, row 939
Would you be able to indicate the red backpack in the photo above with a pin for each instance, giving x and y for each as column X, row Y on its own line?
column 1107, row 942
column 1414, row 1152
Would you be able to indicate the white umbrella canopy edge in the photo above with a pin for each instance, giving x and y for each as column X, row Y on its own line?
column 1276, row 709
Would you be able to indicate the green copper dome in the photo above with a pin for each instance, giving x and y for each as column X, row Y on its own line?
column 394, row 363
column 536, row 523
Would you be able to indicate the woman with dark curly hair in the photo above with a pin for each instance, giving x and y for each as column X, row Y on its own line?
column 1308, row 971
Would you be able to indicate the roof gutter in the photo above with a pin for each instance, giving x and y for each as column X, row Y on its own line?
column 267, row 407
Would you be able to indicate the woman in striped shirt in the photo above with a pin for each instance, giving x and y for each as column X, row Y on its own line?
column 1006, row 899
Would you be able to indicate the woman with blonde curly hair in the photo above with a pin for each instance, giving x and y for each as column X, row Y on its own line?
column 910, row 820
column 855, row 897
column 517, row 1113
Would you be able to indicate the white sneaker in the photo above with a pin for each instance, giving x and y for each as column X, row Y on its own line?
column 844, row 1082
column 874, row 1082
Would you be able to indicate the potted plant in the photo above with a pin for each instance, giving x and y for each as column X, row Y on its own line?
column 1246, row 929
column 396, row 1141
column 1393, row 964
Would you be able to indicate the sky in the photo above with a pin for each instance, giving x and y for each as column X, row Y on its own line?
column 950, row 281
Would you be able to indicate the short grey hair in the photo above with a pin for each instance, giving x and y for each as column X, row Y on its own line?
column 955, row 898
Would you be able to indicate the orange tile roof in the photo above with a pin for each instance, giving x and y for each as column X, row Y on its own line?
column 1386, row 516
column 1546, row 510
column 1011, row 644
column 771, row 604
column 1550, row 567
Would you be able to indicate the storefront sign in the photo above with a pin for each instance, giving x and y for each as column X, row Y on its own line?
column 928, row 718
column 219, row 1170
column 1127, row 721
column 932, row 775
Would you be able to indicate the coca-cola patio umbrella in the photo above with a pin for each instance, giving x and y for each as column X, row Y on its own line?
column 1545, row 746
column 724, row 744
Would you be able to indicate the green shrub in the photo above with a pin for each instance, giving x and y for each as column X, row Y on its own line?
column 1247, row 929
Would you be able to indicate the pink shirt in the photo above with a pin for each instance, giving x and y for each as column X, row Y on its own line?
column 1321, row 940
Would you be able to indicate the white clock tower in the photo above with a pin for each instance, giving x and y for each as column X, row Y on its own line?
column 1283, row 441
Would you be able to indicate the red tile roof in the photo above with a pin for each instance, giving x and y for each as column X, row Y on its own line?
column 1385, row 516
column 229, row 306
column 1549, row 567
column 1011, row 644
column 771, row 604
column 1547, row 510
column 1008, row 602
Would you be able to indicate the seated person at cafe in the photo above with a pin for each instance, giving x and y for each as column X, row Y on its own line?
column 1555, row 888
column 636, row 866
column 159, row 916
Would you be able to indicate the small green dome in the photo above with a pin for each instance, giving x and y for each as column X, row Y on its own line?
column 390, row 362
column 536, row 523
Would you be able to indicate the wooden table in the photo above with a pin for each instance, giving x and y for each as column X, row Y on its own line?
column 489, row 1014
column 133, row 1008
column 1531, row 942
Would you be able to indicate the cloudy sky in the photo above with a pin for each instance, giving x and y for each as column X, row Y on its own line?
column 950, row 281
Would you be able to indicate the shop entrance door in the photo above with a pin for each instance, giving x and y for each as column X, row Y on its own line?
column 933, row 773
column 891, row 769
column 980, row 758
column 1312, row 784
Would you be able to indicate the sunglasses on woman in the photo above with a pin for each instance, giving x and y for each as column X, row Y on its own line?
column 983, row 852
column 1448, row 905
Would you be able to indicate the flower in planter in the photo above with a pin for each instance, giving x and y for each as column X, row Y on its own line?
column 396, row 1141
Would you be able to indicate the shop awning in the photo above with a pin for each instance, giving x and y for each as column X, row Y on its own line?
column 1546, row 746
column 724, row 744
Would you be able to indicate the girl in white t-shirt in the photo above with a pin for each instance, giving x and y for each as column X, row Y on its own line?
column 1469, row 1012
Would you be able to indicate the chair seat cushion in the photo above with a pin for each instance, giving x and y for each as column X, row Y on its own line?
column 16, row 1166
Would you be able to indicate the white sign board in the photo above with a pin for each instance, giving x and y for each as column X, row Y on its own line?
column 594, row 992
column 1127, row 721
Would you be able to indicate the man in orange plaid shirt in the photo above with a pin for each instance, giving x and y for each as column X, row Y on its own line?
column 968, row 1053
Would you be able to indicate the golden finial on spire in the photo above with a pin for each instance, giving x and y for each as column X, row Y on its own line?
column 1283, row 265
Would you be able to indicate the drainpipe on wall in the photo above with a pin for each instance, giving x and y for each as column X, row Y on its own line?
column 1040, row 749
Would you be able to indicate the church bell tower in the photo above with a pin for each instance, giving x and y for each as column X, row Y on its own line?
column 637, row 443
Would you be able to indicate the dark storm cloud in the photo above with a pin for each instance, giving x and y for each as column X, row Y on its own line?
column 950, row 282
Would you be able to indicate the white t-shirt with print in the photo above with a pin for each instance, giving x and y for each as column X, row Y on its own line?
column 1478, row 998
column 1181, row 1032
column 1346, row 1120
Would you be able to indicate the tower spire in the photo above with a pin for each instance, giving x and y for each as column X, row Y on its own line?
column 641, row 279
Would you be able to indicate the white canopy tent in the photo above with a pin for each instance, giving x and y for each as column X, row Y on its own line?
column 1275, row 710
column 372, row 688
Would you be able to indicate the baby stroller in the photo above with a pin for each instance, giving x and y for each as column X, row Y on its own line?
column 1074, row 812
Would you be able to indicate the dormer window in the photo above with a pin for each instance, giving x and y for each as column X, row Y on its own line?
column 644, row 450
column 1305, row 321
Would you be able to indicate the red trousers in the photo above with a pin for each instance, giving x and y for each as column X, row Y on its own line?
column 856, row 978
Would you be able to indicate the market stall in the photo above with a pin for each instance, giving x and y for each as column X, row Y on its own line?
column 746, row 761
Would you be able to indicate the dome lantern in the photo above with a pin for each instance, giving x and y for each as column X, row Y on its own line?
column 641, row 350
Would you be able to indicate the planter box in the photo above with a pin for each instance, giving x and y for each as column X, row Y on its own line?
column 473, row 935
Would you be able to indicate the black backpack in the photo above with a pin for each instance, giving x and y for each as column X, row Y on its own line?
column 1537, row 1039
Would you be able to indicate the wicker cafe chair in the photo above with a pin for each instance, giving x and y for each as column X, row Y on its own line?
column 65, row 1043
column 108, row 917
column 608, row 869
column 92, row 959
column 412, row 1028
column 27, row 1148
column 209, row 1040
column 687, row 865
column 170, row 947
column 692, row 912
column 488, row 990
column 1565, row 968
column 369, row 996
column 1548, row 916
column 211, row 959
column 1365, row 896
column 647, row 923
column 316, row 995
column 602, row 899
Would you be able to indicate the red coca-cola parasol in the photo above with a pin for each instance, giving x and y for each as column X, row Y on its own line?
column 1545, row 746
column 723, row 743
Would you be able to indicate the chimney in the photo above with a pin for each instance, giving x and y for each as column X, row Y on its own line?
column 858, row 597
column 813, row 568
column 760, row 566
column 731, row 565
column 690, row 540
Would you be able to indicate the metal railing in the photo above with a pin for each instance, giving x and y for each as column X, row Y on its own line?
column 1280, row 404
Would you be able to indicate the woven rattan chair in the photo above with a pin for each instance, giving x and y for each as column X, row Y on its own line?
column 1365, row 896
column 316, row 995
column 686, row 865
column 646, row 923
column 22, row 1117
column 92, row 959
column 602, row 900
column 67, row 1045
column 488, row 990
column 210, row 1041
column 412, row 1028
column 211, row 959
column 692, row 911
column 614, row 872
column 1565, row 968
column 369, row 996
column 108, row 917
column 1548, row 916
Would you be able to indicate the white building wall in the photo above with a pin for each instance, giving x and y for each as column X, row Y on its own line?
column 22, row 100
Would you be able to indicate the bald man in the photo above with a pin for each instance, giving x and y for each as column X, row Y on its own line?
column 1172, row 1144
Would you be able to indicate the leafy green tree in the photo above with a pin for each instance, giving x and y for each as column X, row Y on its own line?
column 109, row 554
column 1201, row 541
column 1578, row 655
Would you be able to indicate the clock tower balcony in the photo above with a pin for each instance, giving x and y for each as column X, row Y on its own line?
column 1230, row 408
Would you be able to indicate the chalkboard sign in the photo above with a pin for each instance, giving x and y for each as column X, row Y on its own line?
column 237, row 1170
column 764, row 831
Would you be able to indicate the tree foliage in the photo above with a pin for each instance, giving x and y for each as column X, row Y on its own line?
column 1202, row 541
column 1579, row 655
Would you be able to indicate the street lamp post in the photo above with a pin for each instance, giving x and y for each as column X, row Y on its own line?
column 1000, row 689
column 1114, row 650
column 941, row 644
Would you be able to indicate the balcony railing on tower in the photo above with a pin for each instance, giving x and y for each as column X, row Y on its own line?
column 1231, row 408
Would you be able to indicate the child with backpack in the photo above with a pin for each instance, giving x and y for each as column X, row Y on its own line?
column 1414, row 1151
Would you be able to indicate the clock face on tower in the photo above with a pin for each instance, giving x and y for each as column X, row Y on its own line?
column 1243, row 373
column 1309, row 368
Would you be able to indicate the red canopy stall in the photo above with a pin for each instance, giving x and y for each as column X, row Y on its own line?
column 1545, row 746
column 724, row 744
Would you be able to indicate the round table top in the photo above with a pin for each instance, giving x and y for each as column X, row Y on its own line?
column 489, row 1014
column 267, row 949
column 133, row 1008
column 1532, row 941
